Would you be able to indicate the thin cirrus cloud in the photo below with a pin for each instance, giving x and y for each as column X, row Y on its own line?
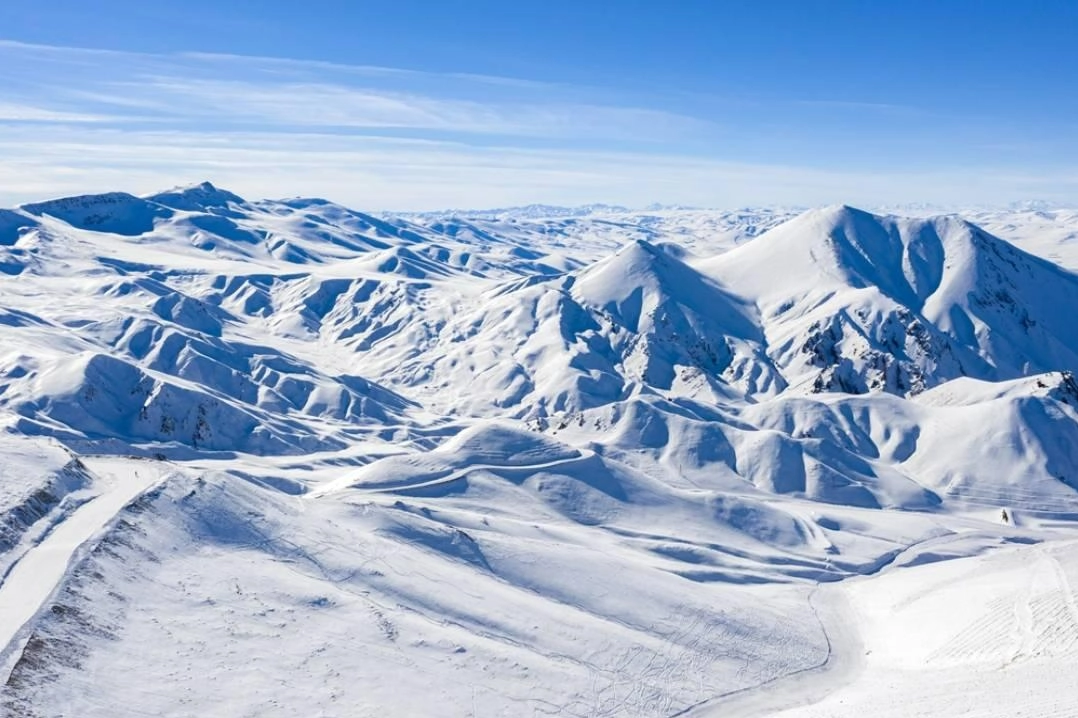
column 14, row 112
column 324, row 105
column 206, row 89
column 405, row 173
column 74, row 121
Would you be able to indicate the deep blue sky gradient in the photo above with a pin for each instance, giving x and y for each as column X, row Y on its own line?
column 863, row 87
column 939, row 51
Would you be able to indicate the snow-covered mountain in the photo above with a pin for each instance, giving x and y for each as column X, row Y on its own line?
column 869, row 302
column 601, row 462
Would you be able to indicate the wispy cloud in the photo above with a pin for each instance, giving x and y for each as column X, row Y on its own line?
column 395, row 173
column 12, row 112
column 324, row 105
column 222, row 89
column 76, row 120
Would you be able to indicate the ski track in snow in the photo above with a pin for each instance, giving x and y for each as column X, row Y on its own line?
column 834, row 613
column 1037, row 627
column 1008, row 649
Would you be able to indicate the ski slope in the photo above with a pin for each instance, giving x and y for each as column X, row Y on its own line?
column 286, row 458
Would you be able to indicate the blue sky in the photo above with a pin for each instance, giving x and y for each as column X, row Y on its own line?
column 415, row 105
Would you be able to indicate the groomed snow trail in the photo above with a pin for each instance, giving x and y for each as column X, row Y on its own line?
column 844, row 658
column 983, row 636
column 39, row 572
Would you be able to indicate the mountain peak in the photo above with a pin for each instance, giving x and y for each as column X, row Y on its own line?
column 641, row 277
column 637, row 266
column 846, row 247
column 870, row 301
column 197, row 197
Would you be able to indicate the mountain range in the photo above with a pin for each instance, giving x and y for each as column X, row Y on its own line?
column 520, row 461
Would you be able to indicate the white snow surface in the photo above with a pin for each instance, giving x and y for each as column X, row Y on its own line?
column 285, row 458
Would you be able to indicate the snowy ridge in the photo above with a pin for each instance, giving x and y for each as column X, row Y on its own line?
column 601, row 462
column 871, row 302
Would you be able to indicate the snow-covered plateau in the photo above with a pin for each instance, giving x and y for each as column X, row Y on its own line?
column 284, row 458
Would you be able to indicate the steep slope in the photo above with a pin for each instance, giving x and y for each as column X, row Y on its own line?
column 672, row 325
column 852, row 301
column 155, row 363
column 114, row 212
column 641, row 320
column 38, row 478
column 1049, row 233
